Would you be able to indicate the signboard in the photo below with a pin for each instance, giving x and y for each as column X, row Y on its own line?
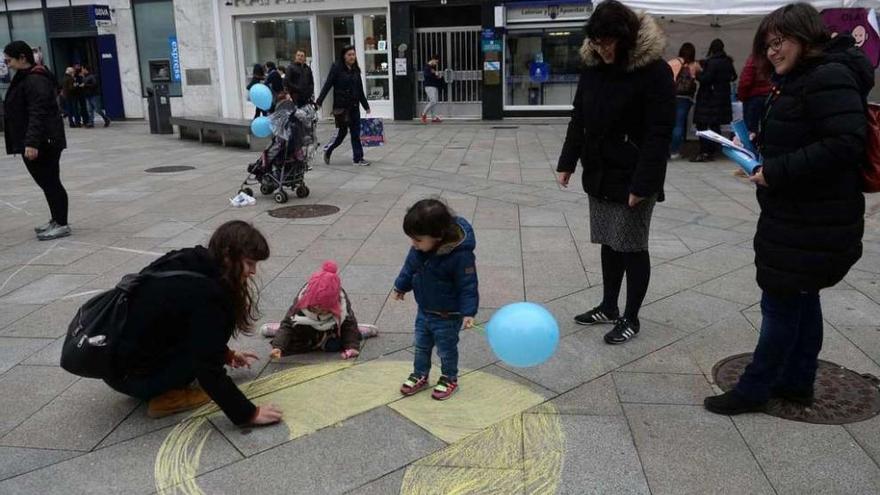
column 174, row 50
column 99, row 15
column 492, row 45
column 861, row 24
column 400, row 66
column 550, row 12
column 539, row 72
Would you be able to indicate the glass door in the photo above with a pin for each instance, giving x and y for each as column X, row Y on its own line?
column 376, row 58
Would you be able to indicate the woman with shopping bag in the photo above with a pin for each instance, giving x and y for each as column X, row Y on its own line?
column 348, row 96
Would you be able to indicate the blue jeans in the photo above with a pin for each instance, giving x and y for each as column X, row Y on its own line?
column 432, row 330
column 354, row 128
column 788, row 349
column 753, row 112
column 93, row 106
column 679, row 133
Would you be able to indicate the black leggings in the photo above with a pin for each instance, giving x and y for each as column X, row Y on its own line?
column 637, row 266
column 47, row 174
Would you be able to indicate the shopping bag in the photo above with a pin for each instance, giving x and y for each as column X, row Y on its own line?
column 372, row 133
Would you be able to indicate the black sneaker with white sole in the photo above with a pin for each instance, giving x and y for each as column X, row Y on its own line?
column 595, row 316
column 623, row 330
column 326, row 158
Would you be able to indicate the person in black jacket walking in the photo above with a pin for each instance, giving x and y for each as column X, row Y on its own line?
column 713, row 107
column 258, row 76
column 92, row 93
column 812, row 141
column 348, row 94
column 178, row 328
column 299, row 81
column 620, row 129
column 34, row 128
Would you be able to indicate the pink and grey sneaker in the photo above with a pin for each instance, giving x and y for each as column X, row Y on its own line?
column 368, row 331
column 413, row 384
column 270, row 329
column 444, row 388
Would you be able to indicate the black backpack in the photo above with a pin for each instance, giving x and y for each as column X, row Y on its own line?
column 93, row 335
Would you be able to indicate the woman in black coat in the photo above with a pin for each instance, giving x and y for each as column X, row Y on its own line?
column 34, row 128
column 178, row 328
column 620, row 129
column 713, row 107
column 258, row 76
column 810, row 230
column 348, row 94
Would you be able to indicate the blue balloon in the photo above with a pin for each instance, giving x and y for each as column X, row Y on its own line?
column 261, row 96
column 261, row 127
column 523, row 334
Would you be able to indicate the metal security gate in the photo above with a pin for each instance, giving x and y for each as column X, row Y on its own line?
column 459, row 51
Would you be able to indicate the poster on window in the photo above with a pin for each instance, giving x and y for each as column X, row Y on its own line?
column 861, row 24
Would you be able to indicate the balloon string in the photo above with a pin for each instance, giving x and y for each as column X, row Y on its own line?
column 479, row 328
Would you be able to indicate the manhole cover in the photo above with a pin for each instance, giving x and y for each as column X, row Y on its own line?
column 842, row 396
column 505, row 127
column 168, row 169
column 303, row 211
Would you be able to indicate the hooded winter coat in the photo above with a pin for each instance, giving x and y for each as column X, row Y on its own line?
column 622, row 120
column 713, row 104
column 31, row 113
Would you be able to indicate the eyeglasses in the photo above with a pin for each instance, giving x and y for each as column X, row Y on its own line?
column 775, row 44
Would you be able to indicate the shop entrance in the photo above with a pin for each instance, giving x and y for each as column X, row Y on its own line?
column 460, row 61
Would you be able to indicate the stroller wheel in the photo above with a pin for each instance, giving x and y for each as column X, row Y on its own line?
column 266, row 189
column 302, row 191
column 281, row 196
column 248, row 191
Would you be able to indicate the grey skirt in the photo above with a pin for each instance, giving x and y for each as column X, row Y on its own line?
column 620, row 227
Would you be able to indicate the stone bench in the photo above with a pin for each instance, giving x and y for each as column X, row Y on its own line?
column 228, row 132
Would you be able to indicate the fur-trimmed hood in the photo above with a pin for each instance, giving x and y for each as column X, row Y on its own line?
column 650, row 44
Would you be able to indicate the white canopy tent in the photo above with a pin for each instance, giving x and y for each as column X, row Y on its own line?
column 734, row 7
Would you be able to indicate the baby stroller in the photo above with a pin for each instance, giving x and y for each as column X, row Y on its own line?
column 287, row 159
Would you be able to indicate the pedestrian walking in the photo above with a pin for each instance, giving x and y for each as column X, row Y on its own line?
column 684, row 73
column 67, row 95
column 713, row 107
column 810, row 229
column 92, row 95
column 620, row 130
column 300, row 82
column 348, row 97
column 433, row 84
column 35, row 130
column 752, row 91
column 258, row 75
column 78, row 96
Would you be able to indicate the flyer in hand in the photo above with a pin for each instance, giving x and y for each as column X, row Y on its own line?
column 747, row 159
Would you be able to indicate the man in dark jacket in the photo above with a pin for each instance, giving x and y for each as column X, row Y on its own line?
column 299, row 81
column 92, row 93
column 34, row 129
column 713, row 107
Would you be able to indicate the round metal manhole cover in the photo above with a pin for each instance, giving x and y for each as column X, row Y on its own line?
column 303, row 211
column 841, row 395
column 169, row 169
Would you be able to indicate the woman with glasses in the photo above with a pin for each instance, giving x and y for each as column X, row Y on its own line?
column 620, row 130
column 812, row 141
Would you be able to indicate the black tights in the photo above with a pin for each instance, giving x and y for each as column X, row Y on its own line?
column 637, row 266
column 47, row 175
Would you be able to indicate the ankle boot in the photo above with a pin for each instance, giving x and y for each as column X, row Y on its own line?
column 175, row 401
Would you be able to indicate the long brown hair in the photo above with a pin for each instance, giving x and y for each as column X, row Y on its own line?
column 799, row 21
column 231, row 243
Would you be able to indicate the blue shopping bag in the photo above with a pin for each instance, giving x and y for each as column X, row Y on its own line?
column 372, row 133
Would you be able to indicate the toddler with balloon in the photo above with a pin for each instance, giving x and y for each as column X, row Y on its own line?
column 441, row 271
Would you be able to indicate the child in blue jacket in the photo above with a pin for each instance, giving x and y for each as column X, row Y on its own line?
column 441, row 271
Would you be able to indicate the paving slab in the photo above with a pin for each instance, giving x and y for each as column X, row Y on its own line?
column 49, row 321
column 26, row 389
column 46, row 289
column 690, row 311
column 661, row 388
column 597, row 397
column 16, row 350
column 17, row 460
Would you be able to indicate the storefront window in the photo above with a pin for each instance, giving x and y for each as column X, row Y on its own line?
column 5, row 73
column 376, row 57
column 274, row 40
column 343, row 34
column 157, row 44
column 542, row 66
column 29, row 26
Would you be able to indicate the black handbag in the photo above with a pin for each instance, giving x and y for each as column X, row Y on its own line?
column 340, row 115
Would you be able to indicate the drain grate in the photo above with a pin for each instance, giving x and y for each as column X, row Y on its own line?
column 303, row 211
column 842, row 396
column 169, row 169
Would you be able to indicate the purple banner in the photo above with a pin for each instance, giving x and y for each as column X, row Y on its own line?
column 856, row 23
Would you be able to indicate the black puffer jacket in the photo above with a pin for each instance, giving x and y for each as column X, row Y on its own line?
column 622, row 121
column 713, row 97
column 348, row 90
column 813, row 142
column 189, row 315
column 31, row 113
column 299, row 81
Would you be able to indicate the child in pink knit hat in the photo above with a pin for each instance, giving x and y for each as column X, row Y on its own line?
column 320, row 318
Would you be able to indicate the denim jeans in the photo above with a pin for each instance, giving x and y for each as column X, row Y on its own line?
column 432, row 330
column 788, row 348
column 354, row 128
column 753, row 112
column 679, row 133
column 93, row 106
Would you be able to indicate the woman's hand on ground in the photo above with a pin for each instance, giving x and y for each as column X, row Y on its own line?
column 468, row 322
column 350, row 353
column 634, row 200
column 243, row 359
column 398, row 296
column 563, row 178
column 31, row 153
column 758, row 177
column 267, row 415
column 275, row 354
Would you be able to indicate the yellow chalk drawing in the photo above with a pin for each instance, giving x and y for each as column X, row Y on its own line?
column 495, row 447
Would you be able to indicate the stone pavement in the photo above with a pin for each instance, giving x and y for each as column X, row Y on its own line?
column 593, row 419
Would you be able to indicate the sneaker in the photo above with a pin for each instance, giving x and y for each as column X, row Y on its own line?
column 623, row 330
column 413, row 384
column 55, row 232
column 444, row 388
column 424, row 119
column 242, row 199
column 596, row 315
column 368, row 331
column 46, row 226
column 270, row 329
column 436, row 120
column 675, row 156
column 175, row 401
column 326, row 158
column 732, row 403
column 800, row 397
column 362, row 163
